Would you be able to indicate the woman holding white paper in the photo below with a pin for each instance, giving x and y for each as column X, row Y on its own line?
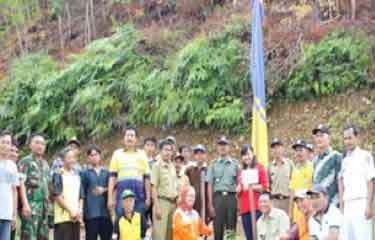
column 252, row 180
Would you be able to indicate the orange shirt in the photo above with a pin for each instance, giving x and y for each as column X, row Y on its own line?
column 303, row 231
column 188, row 226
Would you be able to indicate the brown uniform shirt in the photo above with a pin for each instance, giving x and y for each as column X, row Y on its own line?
column 279, row 177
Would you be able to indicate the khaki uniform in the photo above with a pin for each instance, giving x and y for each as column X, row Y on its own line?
column 164, row 180
column 279, row 178
column 272, row 226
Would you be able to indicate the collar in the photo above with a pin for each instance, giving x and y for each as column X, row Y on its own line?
column 283, row 161
column 356, row 149
column 164, row 163
column 271, row 215
column 129, row 220
column 325, row 153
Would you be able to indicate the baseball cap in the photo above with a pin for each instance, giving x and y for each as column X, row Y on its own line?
column 300, row 194
column 127, row 193
column 299, row 143
column 310, row 147
column 199, row 148
column 316, row 190
column 223, row 140
column 171, row 139
column 276, row 141
column 321, row 128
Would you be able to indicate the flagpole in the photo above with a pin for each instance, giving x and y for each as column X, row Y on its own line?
column 252, row 212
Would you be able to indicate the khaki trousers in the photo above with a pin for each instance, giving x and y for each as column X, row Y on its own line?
column 162, row 228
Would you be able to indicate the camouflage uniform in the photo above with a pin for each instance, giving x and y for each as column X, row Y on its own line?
column 37, row 178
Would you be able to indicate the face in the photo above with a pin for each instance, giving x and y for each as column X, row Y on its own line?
column 248, row 158
column 200, row 157
column 150, row 148
column 350, row 140
column 317, row 201
column 190, row 198
column 13, row 153
column 186, row 152
column 128, row 204
column 130, row 138
column 166, row 152
column 94, row 157
column 75, row 147
column 322, row 141
column 301, row 153
column 178, row 164
column 277, row 151
column 223, row 149
column 38, row 145
column 5, row 145
column 304, row 205
column 70, row 159
column 265, row 204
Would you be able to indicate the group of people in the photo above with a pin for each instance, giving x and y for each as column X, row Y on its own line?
column 165, row 191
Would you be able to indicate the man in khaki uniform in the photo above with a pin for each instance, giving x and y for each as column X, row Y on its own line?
column 279, row 173
column 164, row 192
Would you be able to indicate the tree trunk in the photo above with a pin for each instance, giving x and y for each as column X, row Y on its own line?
column 92, row 16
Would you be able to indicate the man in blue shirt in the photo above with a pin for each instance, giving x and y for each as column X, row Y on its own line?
column 94, row 184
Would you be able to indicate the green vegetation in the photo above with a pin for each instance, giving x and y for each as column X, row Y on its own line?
column 120, row 80
column 341, row 61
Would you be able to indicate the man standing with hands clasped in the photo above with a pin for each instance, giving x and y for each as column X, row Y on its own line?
column 222, row 201
column 356, row 181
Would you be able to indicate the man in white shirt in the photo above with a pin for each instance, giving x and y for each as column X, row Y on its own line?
column 9, row 179
column 356, row 181
column 326, row 223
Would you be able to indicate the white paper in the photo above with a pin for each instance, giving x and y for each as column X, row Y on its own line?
column 250, row 176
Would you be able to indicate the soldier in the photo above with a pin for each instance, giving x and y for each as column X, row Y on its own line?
column 37, row 177
column 222, row 199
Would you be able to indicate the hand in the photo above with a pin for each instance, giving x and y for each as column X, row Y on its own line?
column 157, row 213
column 26, row 211
column 238, row 188
column 73, row 215
column 99, row 191
column 14, row 223
column 211, row 211
column 368, row 213
column 111, row 204
column 147, row 203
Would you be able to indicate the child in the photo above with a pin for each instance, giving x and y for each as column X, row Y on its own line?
column 187, row 224
column 131, row 223
column 67, row 193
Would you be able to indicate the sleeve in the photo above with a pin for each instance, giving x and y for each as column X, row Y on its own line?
column 284, row 223
column 155, row 175
column 370, row 170
column 338, row 164
column 210, row 174
column 204, row 229
column 239, row 180
column 57, row 185
column 16, row 175
column 293, row 180
column 113, row 166
column 263, row 178
column 146, row 168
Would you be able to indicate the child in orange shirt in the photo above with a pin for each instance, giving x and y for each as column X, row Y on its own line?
column 187, row 225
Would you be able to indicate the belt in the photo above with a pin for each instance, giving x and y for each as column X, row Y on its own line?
column 279, row 197
column 171, row 200
column 224, row 193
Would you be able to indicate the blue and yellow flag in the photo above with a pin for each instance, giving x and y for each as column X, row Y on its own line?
column 259, row 136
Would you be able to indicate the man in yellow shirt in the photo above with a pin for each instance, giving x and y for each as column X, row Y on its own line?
column 302, row 175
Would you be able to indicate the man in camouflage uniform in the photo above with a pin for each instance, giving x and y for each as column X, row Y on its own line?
column 37, row 177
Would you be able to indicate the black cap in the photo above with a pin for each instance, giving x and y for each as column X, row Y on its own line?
column 75, row 141
column 321, row 128
column 299, row 143
column 276, row 141
column 199, row 148
column 316, row 190
column 223, row 140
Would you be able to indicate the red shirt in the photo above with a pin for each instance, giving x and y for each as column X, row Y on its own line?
column 244, row 194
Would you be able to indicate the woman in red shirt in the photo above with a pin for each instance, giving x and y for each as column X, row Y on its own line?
column 259, row 184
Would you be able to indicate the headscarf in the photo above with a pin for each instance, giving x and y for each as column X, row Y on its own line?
column 182, row 199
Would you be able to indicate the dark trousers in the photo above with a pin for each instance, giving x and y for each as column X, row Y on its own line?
column 246, row 222
column 98, row 227
column 226, row 214
column 67, row 230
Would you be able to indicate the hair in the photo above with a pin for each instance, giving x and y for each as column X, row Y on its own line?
column 354, row 129
column 130, row 128
column 150, row 139
column 92, row 148
column 5, row 133
column 15, row 142
column 182, row 147
column 164, row 143
column 64, row 152
column 34, row 135
column 266, row 194
column 179, row 158
column 244, row 151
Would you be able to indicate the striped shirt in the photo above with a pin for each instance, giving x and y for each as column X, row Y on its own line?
column 327, row 167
